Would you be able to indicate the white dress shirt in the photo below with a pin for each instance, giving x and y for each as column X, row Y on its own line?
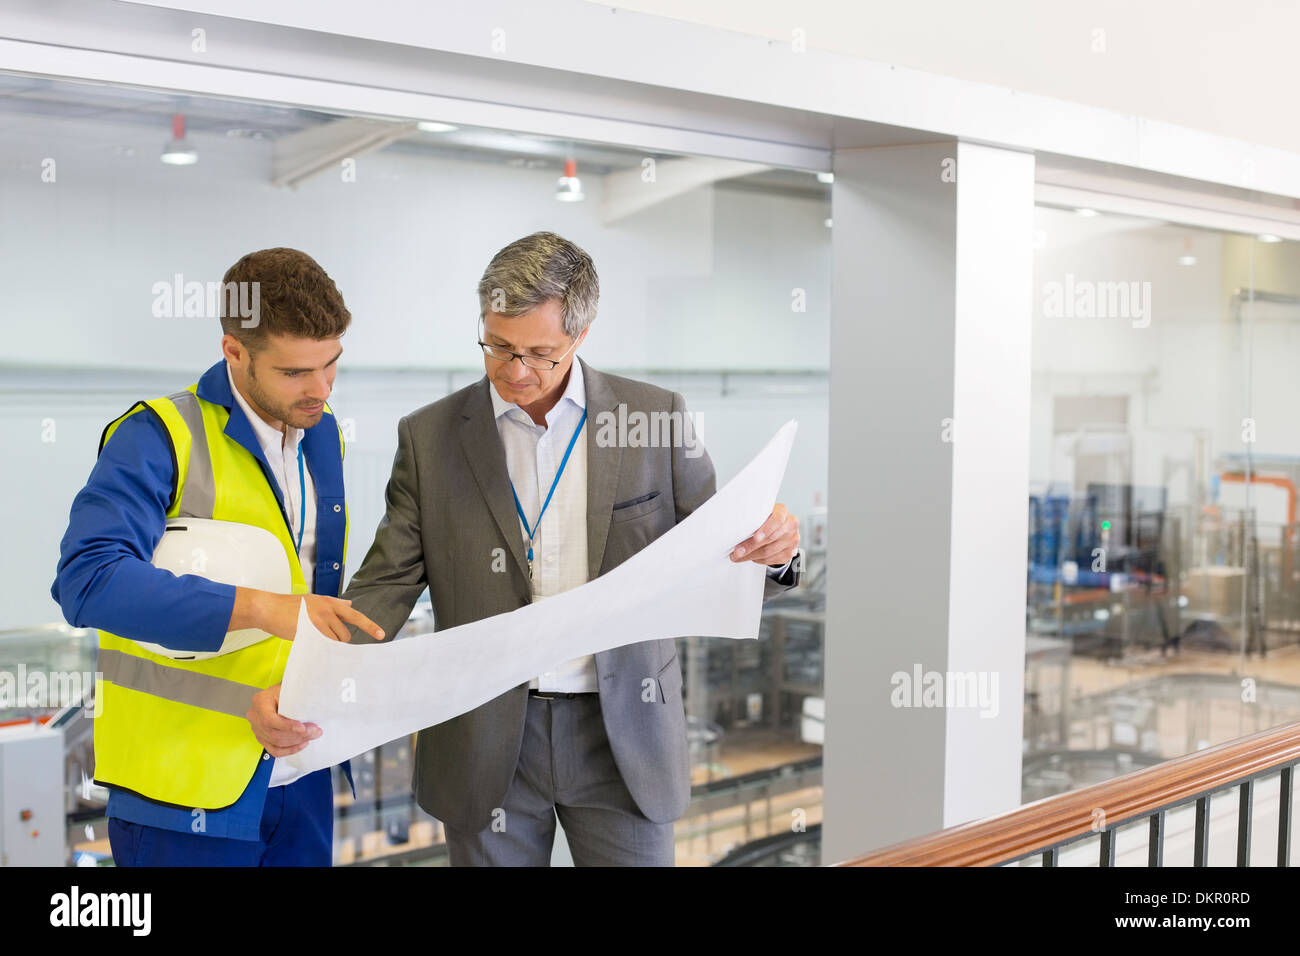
column 533, row 455
column 281, row 451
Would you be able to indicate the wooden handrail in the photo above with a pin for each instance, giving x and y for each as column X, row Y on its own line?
column 1054, row 820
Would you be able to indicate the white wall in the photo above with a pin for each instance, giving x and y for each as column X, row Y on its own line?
column 701, row 282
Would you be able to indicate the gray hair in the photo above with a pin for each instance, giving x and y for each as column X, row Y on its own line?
column 536, row 269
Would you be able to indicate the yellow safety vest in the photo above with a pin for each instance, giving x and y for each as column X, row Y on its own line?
column 175, row 731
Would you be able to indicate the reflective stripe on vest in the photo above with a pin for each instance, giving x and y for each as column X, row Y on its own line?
column 175, row 731
column 200, row 492
column 174, row 683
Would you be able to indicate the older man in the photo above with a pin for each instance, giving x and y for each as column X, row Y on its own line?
column 497, row 499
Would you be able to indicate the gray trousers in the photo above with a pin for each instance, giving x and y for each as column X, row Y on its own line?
column 565, row 767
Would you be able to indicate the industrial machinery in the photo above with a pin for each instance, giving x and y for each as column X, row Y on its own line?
column 1103, row 569
column 31, row 795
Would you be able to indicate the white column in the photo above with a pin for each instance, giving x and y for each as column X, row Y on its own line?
column 929, row 466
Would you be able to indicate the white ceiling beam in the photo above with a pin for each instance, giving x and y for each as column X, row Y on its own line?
column 312, row 151
column 628, row 191
column 595, row 45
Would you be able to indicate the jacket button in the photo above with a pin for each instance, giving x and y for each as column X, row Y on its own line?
column 336, row 565
column 266, row 756
column 338, row 507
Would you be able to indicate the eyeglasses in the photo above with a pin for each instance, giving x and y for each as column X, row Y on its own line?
column 531, row 361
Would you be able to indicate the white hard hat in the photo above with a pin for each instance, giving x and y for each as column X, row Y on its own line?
column 228, row 552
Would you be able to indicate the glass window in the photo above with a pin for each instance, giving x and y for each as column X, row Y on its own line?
column 1162, row 579
column 116, row 200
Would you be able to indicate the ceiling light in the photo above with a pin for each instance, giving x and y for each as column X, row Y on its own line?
column 430, row 127
column 1268, row 237
column 826, row 178
column 568, row 188
column 1187, row 260
column 1086, row 213
column 178, row 151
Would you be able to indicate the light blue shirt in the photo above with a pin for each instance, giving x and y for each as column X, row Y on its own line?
column 533, row 455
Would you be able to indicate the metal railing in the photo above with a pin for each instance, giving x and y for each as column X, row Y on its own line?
column 1044, row 828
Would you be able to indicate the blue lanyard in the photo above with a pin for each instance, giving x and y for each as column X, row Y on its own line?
column 302, row 500
column 520, row 508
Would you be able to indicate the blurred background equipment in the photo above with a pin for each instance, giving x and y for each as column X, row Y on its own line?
column 31, row 797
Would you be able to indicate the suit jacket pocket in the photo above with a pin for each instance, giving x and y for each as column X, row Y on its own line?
column 637, row 507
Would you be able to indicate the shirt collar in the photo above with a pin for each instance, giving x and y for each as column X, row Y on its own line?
column 273, row 442
column 575, row 391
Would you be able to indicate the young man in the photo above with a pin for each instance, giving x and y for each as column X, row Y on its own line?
column 185, row 745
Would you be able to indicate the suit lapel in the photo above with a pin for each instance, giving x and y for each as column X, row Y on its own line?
column 602, row 468
column 487, row 460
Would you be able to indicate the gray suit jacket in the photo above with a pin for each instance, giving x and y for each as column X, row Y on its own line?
column 449, row 508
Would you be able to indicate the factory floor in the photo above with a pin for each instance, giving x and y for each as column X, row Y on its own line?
column 1281, row 664
column 1181, row 724
column 703, row 839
